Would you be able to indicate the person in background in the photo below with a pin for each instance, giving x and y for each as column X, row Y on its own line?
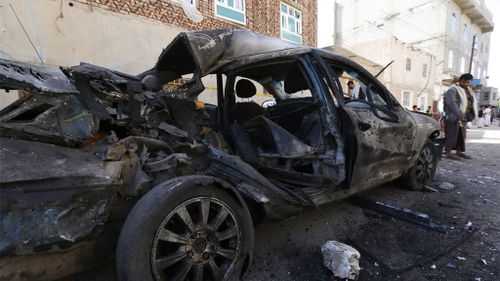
column 415, row 108
column 350, row 88
column 459, row 101
column 487, row 116
column 354, row 91
column 480, row 119
column 429, row 111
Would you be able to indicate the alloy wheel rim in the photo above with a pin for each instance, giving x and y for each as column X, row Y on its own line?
column 199, row 240
column 425, row 166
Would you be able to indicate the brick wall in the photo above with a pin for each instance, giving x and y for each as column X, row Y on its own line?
column 262, row 15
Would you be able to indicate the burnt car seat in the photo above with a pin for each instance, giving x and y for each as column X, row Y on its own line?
column 298, row 116
column 243, row 111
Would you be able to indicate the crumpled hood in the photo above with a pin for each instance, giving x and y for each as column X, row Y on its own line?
column 41, row 78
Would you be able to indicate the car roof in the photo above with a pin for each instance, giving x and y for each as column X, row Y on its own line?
column 204, row 51
column 209, row 50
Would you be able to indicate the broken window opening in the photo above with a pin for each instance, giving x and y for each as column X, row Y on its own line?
column 286, row 136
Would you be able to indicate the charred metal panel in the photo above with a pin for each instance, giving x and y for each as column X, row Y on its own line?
column 52, row 118
column 31, row 160
column 18, row 75
column 50, row 228
column 51, row 196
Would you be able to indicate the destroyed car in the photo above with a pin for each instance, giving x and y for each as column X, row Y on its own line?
column 94, row 160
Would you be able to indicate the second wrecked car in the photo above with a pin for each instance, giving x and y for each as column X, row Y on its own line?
column 91, row 154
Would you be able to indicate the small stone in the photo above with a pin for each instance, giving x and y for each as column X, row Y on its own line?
column 461, row 258
column 446, row 186
column 484, row 261
column 433, row 266
column 376, row 264
column 450, row 265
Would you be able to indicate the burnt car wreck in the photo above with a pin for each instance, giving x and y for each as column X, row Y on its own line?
column 90, row 154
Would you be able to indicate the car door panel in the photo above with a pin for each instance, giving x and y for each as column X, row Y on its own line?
column 383, row 148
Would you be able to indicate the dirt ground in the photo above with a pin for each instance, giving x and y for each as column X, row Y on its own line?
column 392, row 249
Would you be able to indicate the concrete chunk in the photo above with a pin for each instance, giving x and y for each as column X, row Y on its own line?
column 341, row 259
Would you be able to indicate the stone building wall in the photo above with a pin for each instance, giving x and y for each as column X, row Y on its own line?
column 261, row 16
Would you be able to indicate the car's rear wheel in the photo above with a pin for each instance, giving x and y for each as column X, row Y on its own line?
column 423, row 171
column 189, row 232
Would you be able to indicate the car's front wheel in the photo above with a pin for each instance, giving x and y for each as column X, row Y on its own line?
column 423, row 171
column 185, row 232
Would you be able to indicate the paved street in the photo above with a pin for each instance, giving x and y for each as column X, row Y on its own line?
column 290, row 249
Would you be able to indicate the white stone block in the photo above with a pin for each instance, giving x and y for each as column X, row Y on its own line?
column 341, row 259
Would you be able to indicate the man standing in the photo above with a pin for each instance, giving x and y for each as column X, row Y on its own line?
column 459, row 102
column 487, row 116
column 480, row 119
column 354, row 91
column 350, row 88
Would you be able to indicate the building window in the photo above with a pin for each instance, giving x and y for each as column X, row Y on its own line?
column 406, row 99
column 466, row 32
column 450, row 59
column 233, row 10
column 408, row 64
column 422, row 102
column 424, row 70
column 453, row 22
column 462, row 65
column 486, row 96
column 291, row 24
